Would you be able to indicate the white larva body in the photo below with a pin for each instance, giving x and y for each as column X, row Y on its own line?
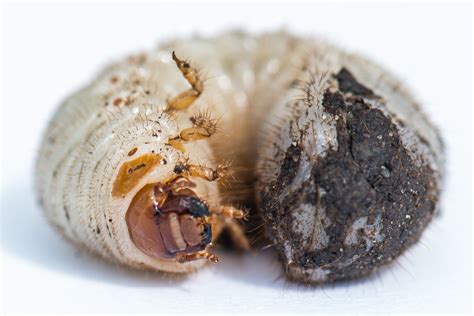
column 249, row 80
column 90, row 136
column 83, row 150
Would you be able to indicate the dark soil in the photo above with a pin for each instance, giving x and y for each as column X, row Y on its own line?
column 370, row 174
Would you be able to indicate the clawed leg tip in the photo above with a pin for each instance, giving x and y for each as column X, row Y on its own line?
column 196, row 256
column 213, row 259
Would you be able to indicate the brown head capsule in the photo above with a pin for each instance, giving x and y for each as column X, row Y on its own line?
column 169, row 222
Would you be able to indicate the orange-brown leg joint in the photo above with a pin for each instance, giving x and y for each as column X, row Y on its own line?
column 177, row 144
column 186, row 99
column 202, row 172
column 230, row 211
column 204, row 126
column 198, row 255
column 194, row 133
column 183, row 100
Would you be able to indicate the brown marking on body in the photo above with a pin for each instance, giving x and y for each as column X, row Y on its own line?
column 114, row 79
column 118, row 101
column 129, row 100
column 132, row 152
column 131, row 172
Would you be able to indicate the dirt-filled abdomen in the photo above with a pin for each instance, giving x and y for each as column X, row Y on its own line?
column 355, row 187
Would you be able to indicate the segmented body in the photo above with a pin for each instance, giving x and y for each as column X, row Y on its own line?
column 258, row 87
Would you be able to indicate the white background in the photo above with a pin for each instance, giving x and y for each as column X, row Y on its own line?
column 51, row 50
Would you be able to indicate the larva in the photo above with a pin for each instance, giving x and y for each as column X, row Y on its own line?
column 126, row 170
column 129, row 164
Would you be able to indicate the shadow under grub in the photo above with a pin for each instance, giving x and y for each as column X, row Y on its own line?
column 263, row 268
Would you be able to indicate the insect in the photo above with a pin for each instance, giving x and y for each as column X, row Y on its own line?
column 339, row 160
